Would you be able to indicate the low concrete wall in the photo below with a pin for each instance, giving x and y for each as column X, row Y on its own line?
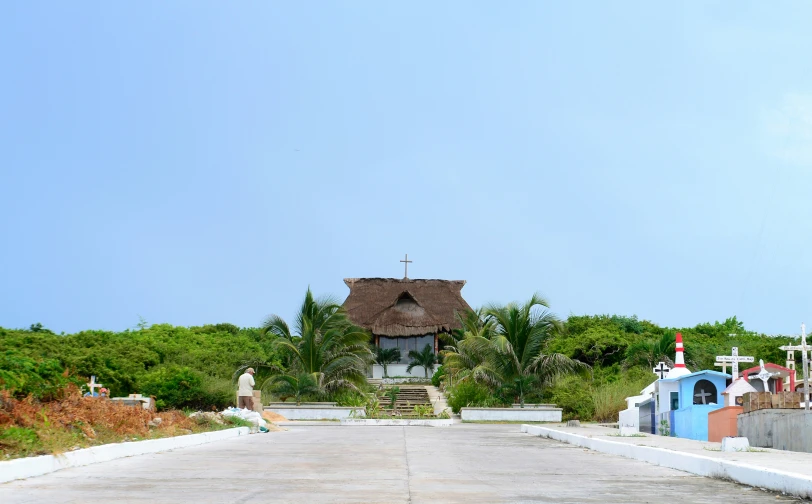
column 316, row 412
column 793, row 432
column 629, row 419
column 757, row 426
column 511, row 414
column 394, row 423
column 36, row 466
column 528, row 405
column 780, row 481
column 289, row 404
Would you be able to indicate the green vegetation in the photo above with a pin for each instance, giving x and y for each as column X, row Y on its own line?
column 182, row 367
column 386, row 356
column 425, row 358
column 620, row 350
column 503, row 354
column 326, row 346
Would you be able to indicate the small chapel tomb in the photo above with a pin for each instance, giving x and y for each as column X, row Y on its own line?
column 691, row 398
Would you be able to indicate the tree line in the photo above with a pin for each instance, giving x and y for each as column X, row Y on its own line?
column 519, row 352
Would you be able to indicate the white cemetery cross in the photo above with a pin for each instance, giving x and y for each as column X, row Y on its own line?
column 723, row 365
column 661, row 370
column 804, row 349
column 703, row 396
column 734, row 358
column 92, row 385
column 765, row 375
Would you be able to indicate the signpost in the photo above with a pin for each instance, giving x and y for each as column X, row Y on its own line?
column 734, row 359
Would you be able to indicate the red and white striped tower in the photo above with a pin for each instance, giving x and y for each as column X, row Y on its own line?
column 679, row 368
column 680, row 360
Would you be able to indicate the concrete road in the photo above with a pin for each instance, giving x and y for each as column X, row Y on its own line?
column 308, row 464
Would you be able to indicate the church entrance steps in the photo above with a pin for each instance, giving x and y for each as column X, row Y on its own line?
column 408, row 397
column 778, row 470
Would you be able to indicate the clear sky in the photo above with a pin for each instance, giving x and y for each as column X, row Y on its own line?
column 202, row 162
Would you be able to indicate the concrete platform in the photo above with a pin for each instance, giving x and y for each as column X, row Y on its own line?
column 466, row 463
column 776, row 470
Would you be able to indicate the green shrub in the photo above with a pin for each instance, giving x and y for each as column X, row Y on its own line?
column 19, row 439
column 21, row 376
column 435, row 378
column 182, row 387
column 351, row 398
column 574, row 397
column 471, row 394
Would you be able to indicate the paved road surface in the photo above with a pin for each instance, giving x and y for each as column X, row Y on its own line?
column 466, row 463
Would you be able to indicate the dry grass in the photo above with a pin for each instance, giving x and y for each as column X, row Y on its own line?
column 610, row 398
column 29, row 427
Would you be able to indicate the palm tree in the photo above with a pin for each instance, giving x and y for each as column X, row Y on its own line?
column 386, row 356
column 425, row 358
column 651, row 351
column 468, row 351
column 286, row 385
column 324, row 344
column 521, row 333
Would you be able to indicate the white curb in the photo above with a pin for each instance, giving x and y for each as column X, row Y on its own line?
column 761, row 477
column 11, row 470
column 414, row 422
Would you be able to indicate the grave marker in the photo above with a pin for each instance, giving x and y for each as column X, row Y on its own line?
column 804, row 349
column 734, row 358
column 765, row 375
column 92, row 385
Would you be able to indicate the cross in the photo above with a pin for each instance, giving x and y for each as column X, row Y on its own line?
column 804, row 349
column 703, row 395
column 765, row 375
column 723, row 365
column 661, row 369
column 406, row 265
column 734, row 358
column 92, row 385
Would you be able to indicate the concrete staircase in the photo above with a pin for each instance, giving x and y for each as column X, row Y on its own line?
column 408, row 397
column 437, row 399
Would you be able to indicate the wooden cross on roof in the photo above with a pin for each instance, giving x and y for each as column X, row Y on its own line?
column 804, row 349
column 406, row 265
column 661, row 369
column 734, row 358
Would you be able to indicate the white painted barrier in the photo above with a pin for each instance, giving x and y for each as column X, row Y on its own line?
column 316, row 412
column 36, row 466
column 761, row 477
column 511, row 414
column 398, row 422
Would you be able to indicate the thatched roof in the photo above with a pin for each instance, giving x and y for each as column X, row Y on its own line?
column 392, row 307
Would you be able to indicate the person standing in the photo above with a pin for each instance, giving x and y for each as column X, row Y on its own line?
column 246, row 390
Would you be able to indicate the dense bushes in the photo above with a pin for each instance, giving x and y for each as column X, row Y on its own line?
column 183, row 367
column 468, row 393
column 21, row 376
column 182, row 387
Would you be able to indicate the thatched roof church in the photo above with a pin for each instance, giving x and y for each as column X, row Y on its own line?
column 400, row 308
column 405, row 314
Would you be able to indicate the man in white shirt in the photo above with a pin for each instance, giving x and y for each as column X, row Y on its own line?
column 246, row 390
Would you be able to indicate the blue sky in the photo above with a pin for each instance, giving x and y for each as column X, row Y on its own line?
column 201, row 162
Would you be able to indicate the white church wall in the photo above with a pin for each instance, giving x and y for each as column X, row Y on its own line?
column 399, row 370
